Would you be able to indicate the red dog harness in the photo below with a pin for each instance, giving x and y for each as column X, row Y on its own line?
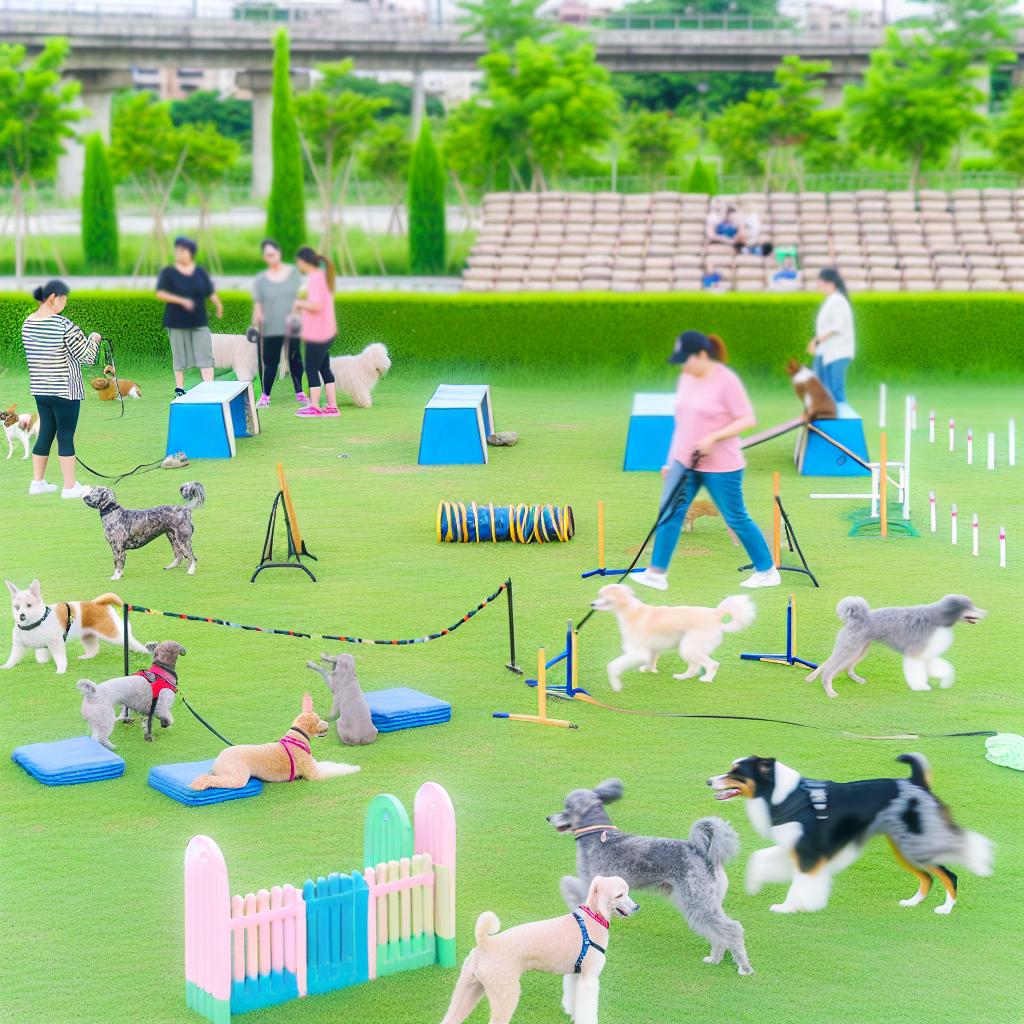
column 159, row 679
column 291, row 741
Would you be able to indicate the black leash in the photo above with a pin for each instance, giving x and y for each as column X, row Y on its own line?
column 143, row 467
column 203, row 721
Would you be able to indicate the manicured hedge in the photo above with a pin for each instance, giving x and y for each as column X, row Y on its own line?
column 898, row 334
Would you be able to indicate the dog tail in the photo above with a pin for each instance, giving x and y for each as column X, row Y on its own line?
column 715, row 839
column 853, row 609
column 487, row 924
column 920, row 770
column 193, row 494
column 108, row 598
column 741, row 611
column 88, row 689
column 978, row 853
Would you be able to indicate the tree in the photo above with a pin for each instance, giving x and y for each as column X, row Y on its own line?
column 99, row 210
column 36, row 116
column 689, row 91
column 286, row 205
column 398, row 96
column 916, row 102
column 1009, row 142
column 703, row 180
column 655, row 140
column 332, row 121
column 502, row 23
column 384, row 157
column 980, row 29
column 733, row 9
column 230, row 116
column 427, row 239
column 209, row 156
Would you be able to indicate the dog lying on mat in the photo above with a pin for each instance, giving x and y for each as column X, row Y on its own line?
column 920, row 633
column 822, row 827
column 286, row 760
column 574, row 945
column 689, row 872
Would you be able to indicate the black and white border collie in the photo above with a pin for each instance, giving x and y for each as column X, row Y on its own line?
column 821, row 827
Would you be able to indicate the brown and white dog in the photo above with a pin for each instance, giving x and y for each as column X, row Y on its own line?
column 109, row 389
column 817, row 402
column 23, row 426
column 573, row 945
column 288, row 759
column 650, row 630
column 46, row 629
column 700, row 508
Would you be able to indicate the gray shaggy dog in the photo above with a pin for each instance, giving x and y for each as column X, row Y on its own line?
column 920, row 633
column 688, row 871
column 128, row 528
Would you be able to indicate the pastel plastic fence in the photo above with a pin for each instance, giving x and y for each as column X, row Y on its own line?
column 246, row 953
column 458, row 523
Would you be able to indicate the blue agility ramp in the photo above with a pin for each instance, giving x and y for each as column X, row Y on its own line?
column 833, row 447
column 205, row 421
column 68, row 762
column 651, row 424
column 456, row 423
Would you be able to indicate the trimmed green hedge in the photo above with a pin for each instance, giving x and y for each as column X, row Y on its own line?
column 897, row 334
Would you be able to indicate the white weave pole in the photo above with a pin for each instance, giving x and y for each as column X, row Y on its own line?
column 931, row 506
column 913, row 412
column 991, row 451
column 909, row 406
column 970, row 447
column 882, row 395
column 931, row 427
column 974, row 534
column 952, row 434
column 1002, row 547
column 952, row 528
column 1011, row 445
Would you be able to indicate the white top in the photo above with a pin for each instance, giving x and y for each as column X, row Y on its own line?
column 212, row 392
column 649, row 403
column 459, row 395
column 836, row 315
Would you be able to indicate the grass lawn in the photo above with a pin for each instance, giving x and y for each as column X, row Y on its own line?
column 91, row 885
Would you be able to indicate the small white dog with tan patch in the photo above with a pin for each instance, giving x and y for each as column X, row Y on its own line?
column 650, row 630
column 574, row 945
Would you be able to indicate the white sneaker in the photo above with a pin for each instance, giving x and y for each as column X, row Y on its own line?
column 78, row 491
column 41, row 487
column 650, row 578
column 768, row 578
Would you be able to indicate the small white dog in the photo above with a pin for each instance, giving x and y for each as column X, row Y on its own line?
column 235, row 352
column 357, row 376
column 46, row 629
column 574, row 945
column 649, row 630
column 21, row 426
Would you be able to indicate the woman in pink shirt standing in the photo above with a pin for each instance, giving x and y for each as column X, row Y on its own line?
column 319, row 328
column 712, row 410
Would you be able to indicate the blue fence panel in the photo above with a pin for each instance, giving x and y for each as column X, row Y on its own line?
column 336, row 926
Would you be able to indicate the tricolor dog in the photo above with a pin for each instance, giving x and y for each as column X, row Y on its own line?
column 817, row 402
column 21, row 426
column 821, row 827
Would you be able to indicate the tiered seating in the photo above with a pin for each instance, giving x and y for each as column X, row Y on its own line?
column 968, row 239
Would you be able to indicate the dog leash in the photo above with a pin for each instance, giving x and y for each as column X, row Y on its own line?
column 202, row 721
column 144, row 467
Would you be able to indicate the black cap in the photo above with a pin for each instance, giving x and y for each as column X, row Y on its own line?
column 55, row 286
column 185, row 243
column 688, row 343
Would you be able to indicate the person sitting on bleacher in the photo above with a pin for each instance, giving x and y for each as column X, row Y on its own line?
column 712, row 280
column 787, row 277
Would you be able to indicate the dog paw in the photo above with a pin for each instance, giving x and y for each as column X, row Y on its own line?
column 712, row 959
column 912, row 902
column 128, row 721
column 744, row 971
column 946, row 908
column 148, row 737
column 615, row 684
column 165, row 723
column 782, row 908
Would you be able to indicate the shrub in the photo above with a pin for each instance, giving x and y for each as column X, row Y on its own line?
column 99, row 210
column 286, row 205
column 703, row 180
column 426, row 206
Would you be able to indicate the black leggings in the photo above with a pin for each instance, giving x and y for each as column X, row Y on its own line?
column 272, row 345
column 318, row 362
column 58, row 418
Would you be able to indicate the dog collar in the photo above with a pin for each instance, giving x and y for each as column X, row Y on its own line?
column 588, row 829
column 301, row 732
column 39, row 622
column 593, row 915
column 107, row 510
column 812, row 792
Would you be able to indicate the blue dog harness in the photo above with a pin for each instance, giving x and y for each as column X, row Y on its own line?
column 588, row 942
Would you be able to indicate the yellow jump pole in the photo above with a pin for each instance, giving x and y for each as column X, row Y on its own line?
column 776, row 522
column 541, row 718
column 883, row 486
column 600, row 535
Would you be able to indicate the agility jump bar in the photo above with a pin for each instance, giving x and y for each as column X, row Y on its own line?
column 475, row 523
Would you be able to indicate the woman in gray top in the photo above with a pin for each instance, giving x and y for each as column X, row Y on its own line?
column 274, row 292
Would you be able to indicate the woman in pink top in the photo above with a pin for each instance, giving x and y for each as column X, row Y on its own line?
column 319, row 328
column 712, row 410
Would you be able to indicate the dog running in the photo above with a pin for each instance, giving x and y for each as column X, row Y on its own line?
column 920, row 633
column 129, row 528
column 822, row 827
column 689, row 872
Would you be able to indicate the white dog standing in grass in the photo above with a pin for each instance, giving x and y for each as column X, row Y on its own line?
column 357, row 376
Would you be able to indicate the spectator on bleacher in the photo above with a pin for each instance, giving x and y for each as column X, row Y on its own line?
column 787, row 277
column 833, row 344
column 722, row 227
column 712, row 280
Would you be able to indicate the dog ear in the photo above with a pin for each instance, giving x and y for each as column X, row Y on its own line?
column 609, row 791
column 11, row 587
column 151, row 646
column 765, row 766
column 307, row 702
column 37, row 590
column 181, row 650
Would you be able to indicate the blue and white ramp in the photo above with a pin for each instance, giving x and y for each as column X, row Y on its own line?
column 843, row 451
column 651, row 424
column 205, row 421
column 456, row 423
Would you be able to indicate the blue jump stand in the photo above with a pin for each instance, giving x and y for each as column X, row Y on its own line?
column 650, row 431
column 571, row 658
column 205, row 421
column 819, row 448
column 789, row 658
column 456, row 423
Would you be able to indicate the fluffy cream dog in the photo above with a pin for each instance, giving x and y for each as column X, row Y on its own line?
column 648, row 630
column 357, row 376
column 235, row 352
column 573, row 945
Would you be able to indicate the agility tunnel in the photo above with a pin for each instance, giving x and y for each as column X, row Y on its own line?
column 473, row 523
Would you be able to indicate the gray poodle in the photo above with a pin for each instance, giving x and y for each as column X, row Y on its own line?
column 149, row 693
column 355, row 725
column 920, row 633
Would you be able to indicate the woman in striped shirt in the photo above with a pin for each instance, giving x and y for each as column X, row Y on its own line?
column 55, row 349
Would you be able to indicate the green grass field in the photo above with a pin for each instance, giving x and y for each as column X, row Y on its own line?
column 91, row 886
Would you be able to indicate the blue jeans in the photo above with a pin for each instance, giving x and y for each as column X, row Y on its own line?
column 726, row 490
column 833, row 376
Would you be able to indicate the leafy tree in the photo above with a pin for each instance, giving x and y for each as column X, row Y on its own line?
column 209, row 156
column 692, row 92
column 398, row 96
column 36, row 116
column 980, row 29
column 286, row 204
column 692, row 8
column 384, row 157
column 99, row 209
column 1009, row 142
column 332, row 121
column 916, row 102
column 427, row 237
column 502, row 23
column 703, row 180
column 230, row 116
column 654, row 140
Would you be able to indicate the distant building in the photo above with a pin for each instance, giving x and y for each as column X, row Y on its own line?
column 178, row 83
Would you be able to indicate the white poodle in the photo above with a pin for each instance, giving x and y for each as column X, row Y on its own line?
column 357, row 376
column 235, row 352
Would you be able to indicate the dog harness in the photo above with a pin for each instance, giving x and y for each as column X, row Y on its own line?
column 46, row 615
column 291, row 741
column 588, row 943
column 159, row 679
column 813, row 792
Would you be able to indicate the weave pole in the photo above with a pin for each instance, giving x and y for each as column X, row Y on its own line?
column 882, row 395
column 1011, row 443
column 952, row 433
column 777, row 520
column 883, row 486
column 931, row 427
column 974, row 534
column 991, row 464
column 952, row 527
column 931, row 506
column 1002, row 547
column 970, row 447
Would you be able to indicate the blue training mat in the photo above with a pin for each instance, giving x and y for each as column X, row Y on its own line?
column 404, row 708
column 68, row 762
column 173, row 780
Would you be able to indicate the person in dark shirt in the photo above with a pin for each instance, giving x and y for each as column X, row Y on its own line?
column 184, row 287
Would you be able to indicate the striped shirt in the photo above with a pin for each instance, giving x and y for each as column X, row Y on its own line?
column 55, row 349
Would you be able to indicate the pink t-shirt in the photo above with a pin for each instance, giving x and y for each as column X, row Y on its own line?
column 704, row 405
column 320, row 326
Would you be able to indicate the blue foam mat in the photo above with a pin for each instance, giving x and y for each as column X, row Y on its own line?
column 173, row 780
column 68, row 762
column 405, row 708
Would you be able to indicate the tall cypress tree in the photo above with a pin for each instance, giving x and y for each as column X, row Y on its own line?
column 426, row 206
column 703, row 179
column 286, row 205
column 99, row 210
